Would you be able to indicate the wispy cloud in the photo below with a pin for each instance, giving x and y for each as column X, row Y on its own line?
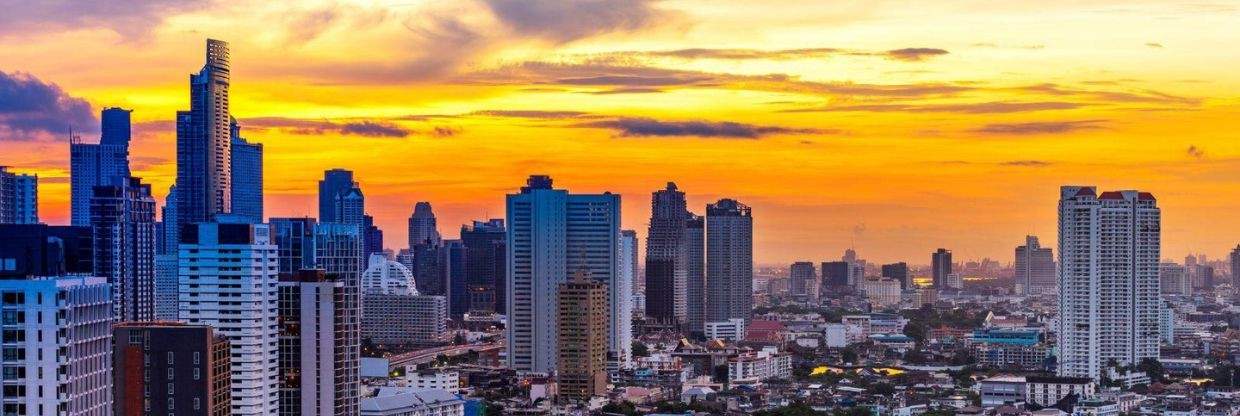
column 993, row 107
column 365, row 128
column 648, row 127
column 914, row 54
column 33, row 109
column 132, row 19
column 1027, row 163
column 1039, row 127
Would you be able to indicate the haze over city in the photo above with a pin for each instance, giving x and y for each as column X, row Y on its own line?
column 889, row 126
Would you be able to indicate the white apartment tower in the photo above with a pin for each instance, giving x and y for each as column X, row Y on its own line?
column 228, row 279
column 1109, row 303
column 551, row 235
column 57, row 346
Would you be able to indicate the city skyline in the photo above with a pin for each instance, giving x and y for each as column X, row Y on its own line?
column 873, row 125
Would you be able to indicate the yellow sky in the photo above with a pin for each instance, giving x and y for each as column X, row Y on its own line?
column 897, row 127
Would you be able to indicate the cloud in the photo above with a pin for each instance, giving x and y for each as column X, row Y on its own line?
column 647, row 127
column 1130, row 96
column 537, row 114
column 915, row 54
column 993, row 107
column 30, row 108
column 132, row 19
column 742, row 54
column 1027, row 163
column 365, row 128
column 563, row 21
column 1154, row 45
column 1039, row 127
column 1196, row 152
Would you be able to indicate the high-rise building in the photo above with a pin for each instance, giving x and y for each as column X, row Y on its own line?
column 373, row 237
column 168, row 368
column 694, row 240
column 429, row 269
column 897, row 272
column 19, row 198
column 122, row 216
column 834, row 276
column 666, row 257
column 552, row 233
column 295, row 243
column 316, row 346
column 387, row 276
column 400, row 319
column 57, row 346
column 351, row 207
column 1035, row 268
column 1235, row 266
column 247, row 177
column 228, row 271
column 729, row 261
column 1173, row 280
column 204, row 143
column 166, row 302
column 338, row 252
column 802, row 281
column 335, row 183
column 622, row 307
column 32, row 250
column 582, row 342
column 94, row 164
column 422, row 226
column 1109, row 247
column 452, row 256
column 168, row 223
column 941, row 266
column 485, row 265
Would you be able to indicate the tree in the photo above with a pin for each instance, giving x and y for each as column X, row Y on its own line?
column 640, row 349
column 885, row 389
column 1153, row 368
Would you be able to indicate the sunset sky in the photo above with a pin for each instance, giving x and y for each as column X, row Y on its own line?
column 896, row 127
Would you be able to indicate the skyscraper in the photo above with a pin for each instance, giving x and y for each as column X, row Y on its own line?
column 168, row 368
column 422, row 226
column 1235, row 266
column 19, row 198
column 335, row 183
column 228, row 270
column 58, row 359
column 122, row 216
column 32, row 250
column 834, row 276
column 803, row 281
column 1173, row 280
column 204, row 142
column 168, row 223
column 582, row 341
column 295, row 243
column 1035, row 268
column 452, row 254
column 315, row 337
column 729, row 261
column 941, row 265
column 247, row 177
column 338, row 252
column 622, row 307
column 373, row 237
column 94, row 164
column 1109, row 248
column 694, row 241
column 485, row 265
column 666, row 257
column 351, row 207
column 551, row 234
column 898, row 272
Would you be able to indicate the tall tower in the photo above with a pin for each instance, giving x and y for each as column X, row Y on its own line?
column 204, row 142
column 1235, row 266
column 485, row 266
column 802, row 280
column 694, row 241
column 550, row 233
column 666, row 261
column 247, row 176
column 1109, row 248
column 582, row 341
column 422, row 226
column 1035, row 268
column 104, row 163
column 315, row 377
column 335, row 183
column 729, row 261
column 941, row 265
column 897, row 271
column 122, row 217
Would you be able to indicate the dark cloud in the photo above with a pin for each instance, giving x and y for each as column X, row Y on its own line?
column 1196, row 152
column 32, row 109
column 647, row 127
column 562, row 21
column 365, row 128
column 915, row 54
column 966, row 108
column 1154, row 45
column 132, row 19
column 1027, row 163
column 444, row 131
column 1039, row 127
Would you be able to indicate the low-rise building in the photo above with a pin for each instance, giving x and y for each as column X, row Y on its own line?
column 404, row 401
column 1048, row 390
column 757, row 366
column 1001, row 390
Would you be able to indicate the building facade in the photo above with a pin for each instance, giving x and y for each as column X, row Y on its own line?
column 397, row 319
column 423, row 228
column 581, row 317
column 122, row 217
column 729, row 261
column 334, row 184
column 204, row 142
column 485, row 266
column 803, row 281
column 94, row 164
column 247, row 176
column 1109, row 246
column 667, row 257
column 19, row 198
column 318, row 368
column 165, row 368
column 1035, row 268
column 940, row 266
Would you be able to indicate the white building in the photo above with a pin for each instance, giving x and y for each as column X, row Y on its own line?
column 755, row 367
column 551, row 234
column 57, row 346
column 449, row 380
column 732, row 330
column 398, row 401
column 319, row 371
column 1109, row 248
column 1047, row 390
column 1173, row 280
column 1035, row 268
column 622, row 308
column 387, row 276
column 881, row 292
column 228, row 279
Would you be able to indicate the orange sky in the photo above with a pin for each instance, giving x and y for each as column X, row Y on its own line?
column 897, row 127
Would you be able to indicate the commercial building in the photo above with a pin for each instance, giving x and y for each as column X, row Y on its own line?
column 834, row 276
column 95, row 164
column 29, row 250
column 423, row 228
column 229, row 270
column 803, row 281
column 1035, row 268
column 405, row 401
column 1048, row 390
column 882, row 292
column 899, row 273
column 485, row 266
column 398, row 319
column 941, row 266
column 204, row 143
column 19, row 198
column 729, row 261
column 581, row 348
column 57, row 346
column 122, row 217
column 168, row 368
column 247, row 176
column 318, row 362
column 667, row 258
column 1109, row 246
